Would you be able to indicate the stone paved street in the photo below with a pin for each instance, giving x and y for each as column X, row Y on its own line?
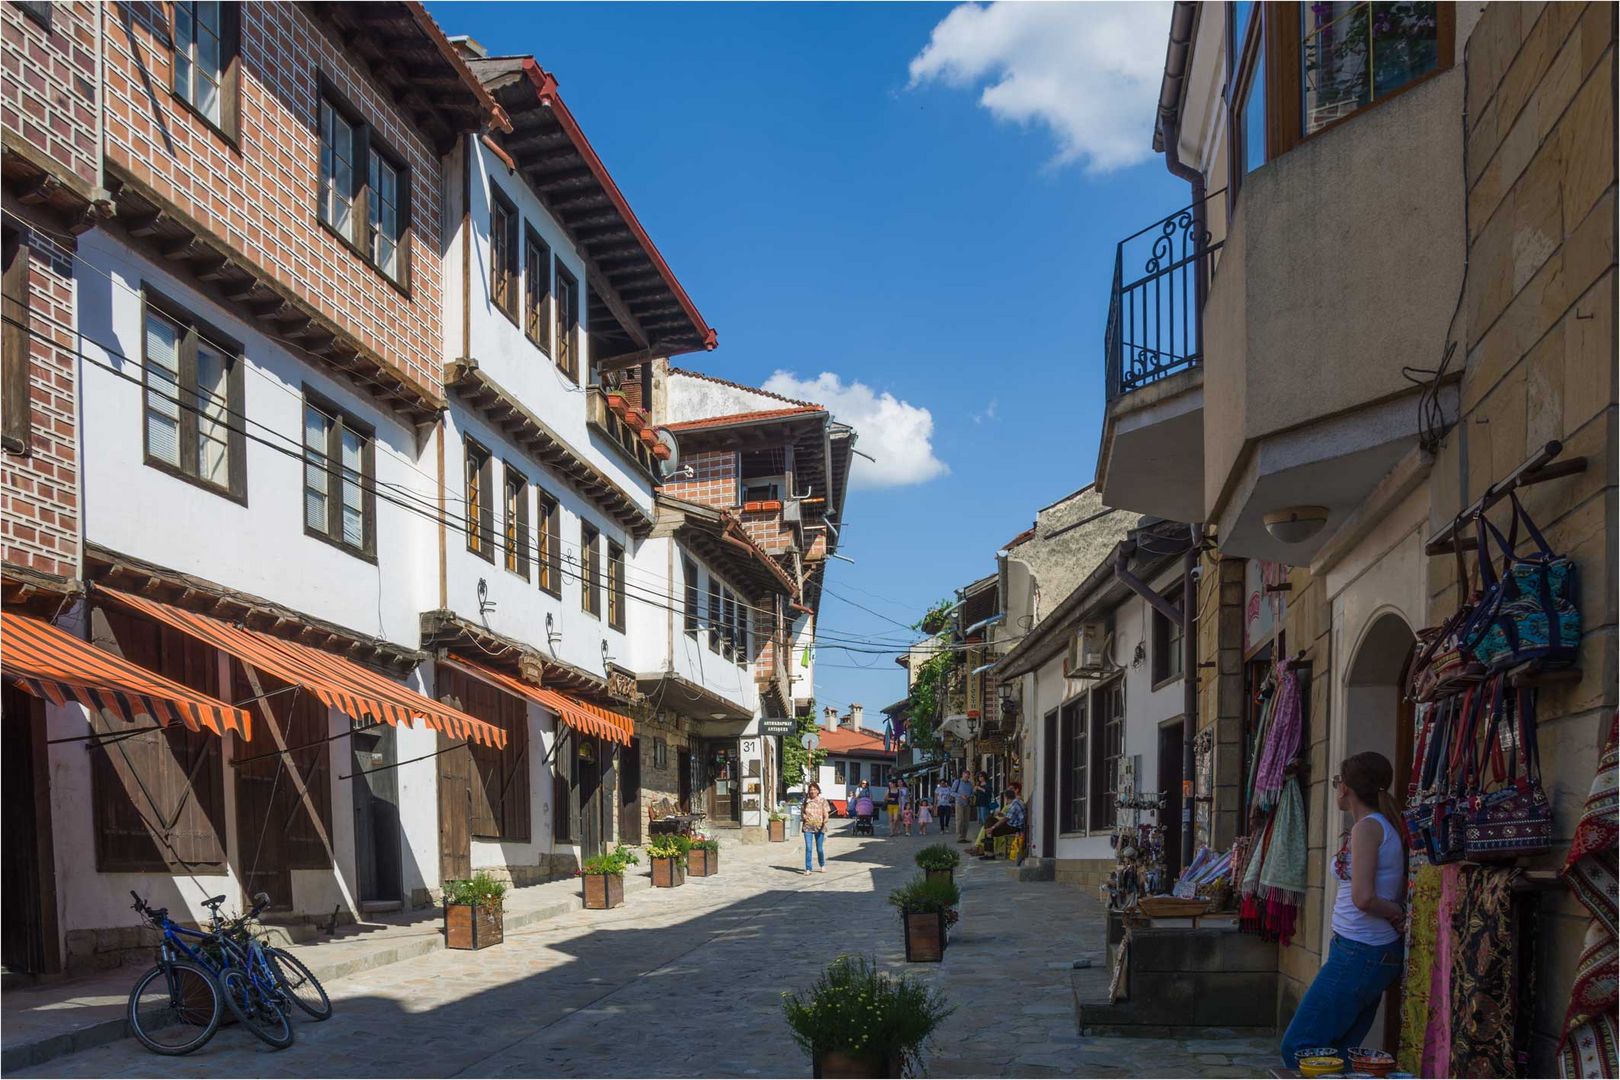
column 688, row 982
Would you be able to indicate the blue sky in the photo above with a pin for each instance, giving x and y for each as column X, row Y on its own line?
column 947, row 240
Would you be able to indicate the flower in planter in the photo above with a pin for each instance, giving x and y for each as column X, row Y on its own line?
column 482, row 890
column 857, row 1010
column 921, row 896
column 938, row 857
column 611, row 862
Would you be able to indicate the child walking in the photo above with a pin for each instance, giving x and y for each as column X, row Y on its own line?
column 905, row 816
column 925, row 815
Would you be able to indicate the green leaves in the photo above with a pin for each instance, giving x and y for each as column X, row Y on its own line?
column 856, row 1008
column 612, row 862
column 481, row 890
column 938, row 857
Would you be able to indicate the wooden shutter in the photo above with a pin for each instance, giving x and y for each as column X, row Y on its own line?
column 562, row 788
column 230, row 83
column 514, row 772
column 303, row 720
column 402, row 194
column 16, row 407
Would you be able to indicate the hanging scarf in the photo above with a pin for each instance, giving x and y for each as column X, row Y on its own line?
column 1484, row 971
column 1418, row 979
column 1437, row 1037
column 1587, row 1048
column 1282, row 739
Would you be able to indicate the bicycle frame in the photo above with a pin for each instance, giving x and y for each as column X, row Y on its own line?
column 250, row 958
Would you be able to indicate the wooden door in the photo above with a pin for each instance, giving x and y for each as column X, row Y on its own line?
column 725, row 799
column 684, row 764
column 589, row 788
column 1049, row 784
column 1169, row 781
column 455, row 811
column 377, row 853
column 630, row 794
column 28, row 917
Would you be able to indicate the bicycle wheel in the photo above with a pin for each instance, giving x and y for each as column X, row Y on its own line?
column 299, row 983
column 258, row 1011
column 175, row 1008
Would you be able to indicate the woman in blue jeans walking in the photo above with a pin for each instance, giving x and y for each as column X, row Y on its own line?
column 1369, row 915
column 814, row 823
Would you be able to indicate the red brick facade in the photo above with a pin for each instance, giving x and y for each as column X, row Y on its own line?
column 48, row 96
column 39, row 489
column 260, row 196
column 713, row 481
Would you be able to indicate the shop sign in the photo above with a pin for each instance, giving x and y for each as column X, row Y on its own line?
column 777, row 725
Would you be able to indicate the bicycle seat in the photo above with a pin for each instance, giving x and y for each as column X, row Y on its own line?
column 213, row 902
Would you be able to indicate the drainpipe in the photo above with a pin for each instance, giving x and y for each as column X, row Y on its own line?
column 1189, row 690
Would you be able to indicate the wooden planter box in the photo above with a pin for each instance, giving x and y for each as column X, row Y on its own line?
column 700, row 863
column 925, row 937
column 603, row 891
column 841, row 1065
column 668, row 873
column 468, row 927
column 939, row 875
column 778, row 833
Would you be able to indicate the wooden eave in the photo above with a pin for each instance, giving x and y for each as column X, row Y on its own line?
column 25, row 589
column 171, row 235
column 410, row 60
column 722, row 542
column 445, row 631
column 528, row 431
column 688, row 699
column 132, row 575
column 35, row 179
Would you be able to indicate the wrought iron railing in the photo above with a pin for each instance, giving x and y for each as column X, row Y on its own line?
column 1161, row 277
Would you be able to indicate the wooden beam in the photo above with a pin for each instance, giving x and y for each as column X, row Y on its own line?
column 609, row 296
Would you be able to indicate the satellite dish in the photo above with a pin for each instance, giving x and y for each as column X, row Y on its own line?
column 672, row 463
column 809, row 740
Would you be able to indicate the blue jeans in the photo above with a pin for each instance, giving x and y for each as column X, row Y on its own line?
column 1339, row 1007
column 984, row 814
column 821, row 853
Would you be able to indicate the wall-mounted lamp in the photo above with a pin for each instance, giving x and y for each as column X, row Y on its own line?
column 552, row 635
column 485, row 604
column 606, row 657
column 1296, row 524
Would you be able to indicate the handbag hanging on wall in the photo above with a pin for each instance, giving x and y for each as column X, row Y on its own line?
column 1529, row 611
column 1514, row 819
column 1434, row 818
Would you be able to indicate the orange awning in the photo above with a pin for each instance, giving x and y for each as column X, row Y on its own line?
column 57, row 666
column 359, row 692
column 579, row 715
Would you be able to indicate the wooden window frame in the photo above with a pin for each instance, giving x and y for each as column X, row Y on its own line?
column 615, row 585
column 478, row 510
column 505, row 279
column 1074, row 763
column 344, row 421
column 229, row 124
column 714, row 613
column 1169, row 642
column 590, row 569
column 1107, row 745
column 743, row 636
column 691, row 597
column 17, row 407
column 192, row 331
column 515, row 521
column 537, row 324
column 548, row 533
column 360, row 237
column 565, row 302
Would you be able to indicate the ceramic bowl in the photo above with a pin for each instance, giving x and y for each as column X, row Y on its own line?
column 1320, row 1066
column 1316, row 1052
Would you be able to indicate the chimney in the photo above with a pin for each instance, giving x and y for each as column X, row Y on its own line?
column 468, row 47
column 855, row 715
column 832, row 718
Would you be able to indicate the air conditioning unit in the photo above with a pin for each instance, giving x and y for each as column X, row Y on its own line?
column 1086, row 657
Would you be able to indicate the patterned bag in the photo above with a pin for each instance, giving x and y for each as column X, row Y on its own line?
column 1442, row 666
column 1436, row 822
column 1515, row 819
column 1530, row 612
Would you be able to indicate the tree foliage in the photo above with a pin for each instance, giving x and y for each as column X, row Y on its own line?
column 799, row 764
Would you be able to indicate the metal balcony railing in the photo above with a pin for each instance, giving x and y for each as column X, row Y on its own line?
column 1161, row 277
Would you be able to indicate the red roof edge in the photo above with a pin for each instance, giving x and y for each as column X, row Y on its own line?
column 545, row 86
column 435, row 33
column 756, row 417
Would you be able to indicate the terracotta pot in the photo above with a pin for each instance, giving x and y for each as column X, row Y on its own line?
column 635, row 418
column 616, row 401
column 648, row 436
column 603, row 891
column 843, row 1065
column 940, row 875
column 925, row 937
column 660, row 451
column 668, row 873
column 778, row 832
column 469, row 927
column 701, row 863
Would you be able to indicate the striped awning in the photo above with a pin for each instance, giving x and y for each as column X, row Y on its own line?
column 58, row 667
column 582, row 716
column 359, row 692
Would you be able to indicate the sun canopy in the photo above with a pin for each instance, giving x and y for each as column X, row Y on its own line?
column 59, row 667
column 359, row 692
column 582, row 716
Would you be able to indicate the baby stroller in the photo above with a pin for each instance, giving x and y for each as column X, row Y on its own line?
column 863, row 816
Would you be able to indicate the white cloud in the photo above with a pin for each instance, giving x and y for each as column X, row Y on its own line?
column 1090, row 72
column 898, row 434
column 989, row 413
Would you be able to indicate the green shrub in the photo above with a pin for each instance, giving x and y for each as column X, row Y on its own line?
column 921, row 896
column 612, row 862
column 857, row 1009
column 938, row 857
column 481, row 890
column 669, row 846
column 706, row 843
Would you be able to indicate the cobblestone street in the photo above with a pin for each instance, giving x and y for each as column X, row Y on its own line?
column 687, row 983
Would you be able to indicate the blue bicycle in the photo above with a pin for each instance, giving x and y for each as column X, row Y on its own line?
column 235, row 969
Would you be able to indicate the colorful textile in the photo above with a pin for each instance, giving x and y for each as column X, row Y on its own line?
column 1437, row 1038
column 1423, row 894
column 1282, row 740
column 1587, row 1047
column 1483, row 974
column 1273, row 907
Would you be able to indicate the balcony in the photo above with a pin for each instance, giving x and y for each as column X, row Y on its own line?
column 1152, row 454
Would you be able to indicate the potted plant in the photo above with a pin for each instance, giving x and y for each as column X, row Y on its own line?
column 704, row 858
column 472, row 911
column 927, row 909
column 616, row 400
column 778, row 826
column 857, row 1021
column 604, row 877
column 668, row 855
column 938, row 862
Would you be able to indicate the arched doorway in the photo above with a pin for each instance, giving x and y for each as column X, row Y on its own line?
column 1379, row 717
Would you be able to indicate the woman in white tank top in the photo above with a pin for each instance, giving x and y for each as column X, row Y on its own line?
column 1369, row 915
